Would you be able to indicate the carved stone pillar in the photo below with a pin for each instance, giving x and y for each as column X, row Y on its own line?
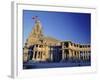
column 79, row 55
column 83, row 55
column 33, row 55
column 63, row 55
column 70, row 54
column 51, row 57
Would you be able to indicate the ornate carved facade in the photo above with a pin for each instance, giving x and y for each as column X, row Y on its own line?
column 39, row 47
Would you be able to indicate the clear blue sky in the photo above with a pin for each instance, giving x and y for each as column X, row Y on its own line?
column 75, row 27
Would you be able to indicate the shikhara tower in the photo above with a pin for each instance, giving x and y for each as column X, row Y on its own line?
column 39, row 47
column 36, row 32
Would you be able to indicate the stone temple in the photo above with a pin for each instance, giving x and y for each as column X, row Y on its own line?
column 41, row 48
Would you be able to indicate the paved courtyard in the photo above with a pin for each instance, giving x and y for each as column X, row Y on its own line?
column 37, row 65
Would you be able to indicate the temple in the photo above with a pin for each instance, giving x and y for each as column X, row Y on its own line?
column 41, row 48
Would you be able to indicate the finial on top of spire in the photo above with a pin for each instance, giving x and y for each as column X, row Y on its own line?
column 35, row 17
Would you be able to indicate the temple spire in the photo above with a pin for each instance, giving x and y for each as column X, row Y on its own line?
column 37, row 30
